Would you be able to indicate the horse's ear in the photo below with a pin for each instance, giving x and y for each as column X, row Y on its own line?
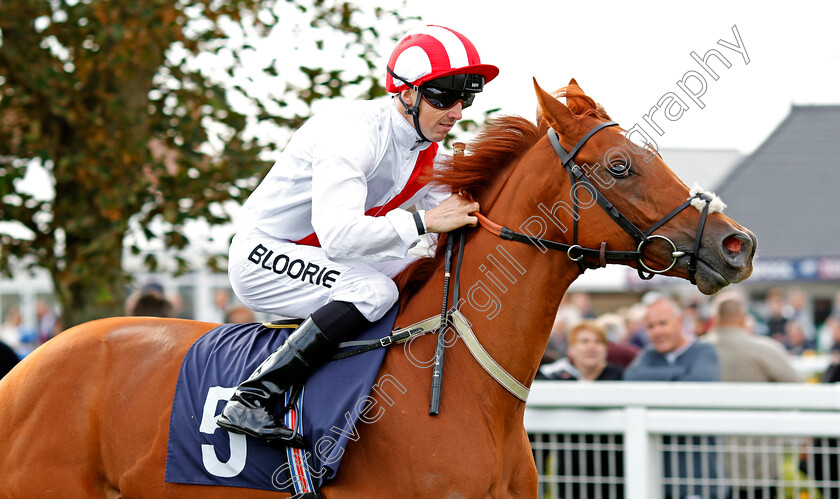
column 578, row 102
column 558, row 116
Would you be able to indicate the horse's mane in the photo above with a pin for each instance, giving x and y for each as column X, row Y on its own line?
column 503, row 140
column 496, row 146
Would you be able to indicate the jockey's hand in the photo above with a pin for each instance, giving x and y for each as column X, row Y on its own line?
column 452, row 213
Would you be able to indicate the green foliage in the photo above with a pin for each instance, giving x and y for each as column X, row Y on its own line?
column 143, row 115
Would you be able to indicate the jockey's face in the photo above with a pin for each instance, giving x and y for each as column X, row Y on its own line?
column 434, row 123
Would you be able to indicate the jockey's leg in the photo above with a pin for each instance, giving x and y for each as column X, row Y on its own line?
column 252, row 406
column 282, row 278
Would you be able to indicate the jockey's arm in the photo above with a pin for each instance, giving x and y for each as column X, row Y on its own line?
column 339, row 190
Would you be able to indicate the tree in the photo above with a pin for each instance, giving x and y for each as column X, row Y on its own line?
column 148, row 114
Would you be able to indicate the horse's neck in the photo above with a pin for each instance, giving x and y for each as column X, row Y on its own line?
column 509, row 292
column 510, row 295
column 512, row 290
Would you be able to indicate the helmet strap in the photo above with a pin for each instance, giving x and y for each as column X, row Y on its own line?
column 414, row 111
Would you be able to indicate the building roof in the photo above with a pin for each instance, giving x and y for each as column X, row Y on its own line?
column 788, row 191
column 707, row 167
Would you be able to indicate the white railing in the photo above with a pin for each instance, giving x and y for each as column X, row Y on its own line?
column 640, row 414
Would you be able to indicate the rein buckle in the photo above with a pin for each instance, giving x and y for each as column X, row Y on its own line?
column 675, row 254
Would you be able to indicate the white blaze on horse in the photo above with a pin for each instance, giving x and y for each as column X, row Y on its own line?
column 88, row 413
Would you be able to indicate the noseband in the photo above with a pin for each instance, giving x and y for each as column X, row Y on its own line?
column 577, row 253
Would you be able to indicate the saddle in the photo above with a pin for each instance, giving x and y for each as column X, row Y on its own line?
column 325, row 409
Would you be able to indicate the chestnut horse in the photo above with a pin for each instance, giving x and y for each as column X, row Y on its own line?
column 87, row 414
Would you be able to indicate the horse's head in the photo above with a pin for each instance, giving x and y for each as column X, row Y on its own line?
column 640, row 200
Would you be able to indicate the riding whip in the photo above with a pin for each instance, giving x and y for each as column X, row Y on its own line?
column 437, row 370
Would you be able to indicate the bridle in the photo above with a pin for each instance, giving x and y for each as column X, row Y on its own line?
column 577, row 253
column 574, row 251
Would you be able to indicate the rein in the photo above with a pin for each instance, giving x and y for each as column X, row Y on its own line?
column 576, row 252
column 456, row 319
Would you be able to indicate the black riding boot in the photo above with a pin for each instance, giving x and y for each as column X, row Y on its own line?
column 250, row 410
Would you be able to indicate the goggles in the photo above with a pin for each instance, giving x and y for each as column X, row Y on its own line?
column 445, row 92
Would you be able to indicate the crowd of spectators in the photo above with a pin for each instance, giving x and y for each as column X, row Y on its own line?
column 784, row 318
column 19, row 338
column 723, row 339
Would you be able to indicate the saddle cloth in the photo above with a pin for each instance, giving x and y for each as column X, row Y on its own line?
column 335, row 397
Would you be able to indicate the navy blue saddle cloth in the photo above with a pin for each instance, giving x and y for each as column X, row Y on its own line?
column 333, row 401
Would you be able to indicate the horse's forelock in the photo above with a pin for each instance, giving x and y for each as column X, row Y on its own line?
column 581, row 104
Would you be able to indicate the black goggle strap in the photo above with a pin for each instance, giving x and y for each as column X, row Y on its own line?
column 468, row 82
column 463, row 94
column 398, row 77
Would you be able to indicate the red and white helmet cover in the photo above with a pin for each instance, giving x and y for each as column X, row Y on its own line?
column 430, row 52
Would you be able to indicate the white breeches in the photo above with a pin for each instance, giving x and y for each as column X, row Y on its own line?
column 283, row 278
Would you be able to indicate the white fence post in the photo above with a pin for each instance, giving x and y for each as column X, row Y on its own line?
column 643, row 412
column 640, row 457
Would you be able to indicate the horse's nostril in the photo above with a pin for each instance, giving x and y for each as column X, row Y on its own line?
column 733, row 245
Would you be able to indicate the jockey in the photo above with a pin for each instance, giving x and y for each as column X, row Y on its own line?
column 327, row 229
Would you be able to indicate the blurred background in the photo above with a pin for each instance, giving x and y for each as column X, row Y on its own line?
column 130, row 133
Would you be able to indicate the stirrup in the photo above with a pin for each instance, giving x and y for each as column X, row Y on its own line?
column 294, row 393
column 294, row 439
column 289, row 437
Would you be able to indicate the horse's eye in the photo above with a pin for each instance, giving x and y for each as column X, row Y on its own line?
column 619, row 169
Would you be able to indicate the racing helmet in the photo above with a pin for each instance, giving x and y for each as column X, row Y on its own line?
column 431, row 53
